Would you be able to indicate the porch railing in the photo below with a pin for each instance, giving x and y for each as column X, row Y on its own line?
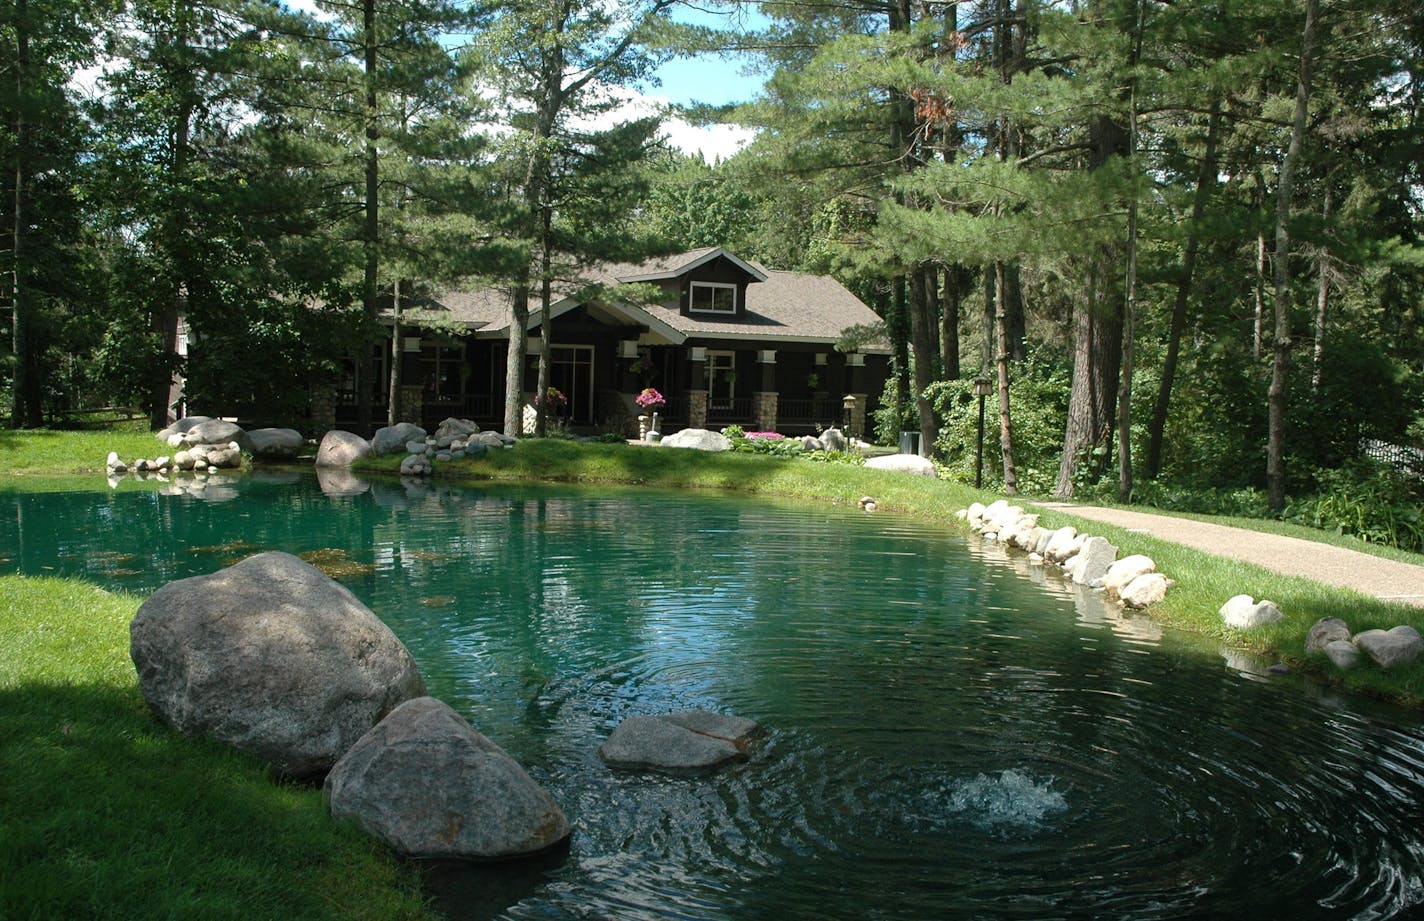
column 727, row 412
column 809, row 414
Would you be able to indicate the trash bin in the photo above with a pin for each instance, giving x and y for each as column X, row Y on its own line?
column 909, row 442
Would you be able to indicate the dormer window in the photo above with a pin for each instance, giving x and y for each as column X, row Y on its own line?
column 712, row 297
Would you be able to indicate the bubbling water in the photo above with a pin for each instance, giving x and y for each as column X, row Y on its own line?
column 1012, row 802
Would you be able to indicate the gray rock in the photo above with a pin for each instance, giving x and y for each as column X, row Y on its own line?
column 1094, row 559
column 392, row 439
column 272, row 657
column 1148, row 588
column 1388, row 648
column 218, row 432
column 833, row 440
column 183, row 460
column 698, row 439
column 489, row 440
column 738, row 730
column 1343, row 653
column 1244, row 613
column 453, row 428
column 181, row 427
column 430, row 786
column 904, row 463
column 811, row 443
column 653, row 743
column 1326, row 631
column 275, row 444
column 415, row 465
column 341, row 449
column 475, row 448
column 221, row 456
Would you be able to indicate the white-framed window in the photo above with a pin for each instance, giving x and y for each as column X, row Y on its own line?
column 712, row 297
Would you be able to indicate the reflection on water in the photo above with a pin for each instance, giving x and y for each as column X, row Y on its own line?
column 953, row 731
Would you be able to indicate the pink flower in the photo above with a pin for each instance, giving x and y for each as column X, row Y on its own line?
column 650, row 400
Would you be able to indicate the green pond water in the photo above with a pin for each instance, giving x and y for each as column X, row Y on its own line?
column 953, row 733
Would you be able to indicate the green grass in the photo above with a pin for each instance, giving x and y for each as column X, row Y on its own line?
column 107, row 814
column 47, row 451
column 1204, row 581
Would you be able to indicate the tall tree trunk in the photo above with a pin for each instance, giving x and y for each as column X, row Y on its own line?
column 1258, row 326
column 1006, row 432
column 370, row 235
column 920, row 323
column 393, row 390
column 949, row 323
column 514, row 358
column 27, row 410
column 896, row 327
column 1280, row 358
column 546, row 294
column 1124, row 394
column 175, row 301
column 1015, row 315
column 1322, row 298
column 1206, row 181
column 1097, row 352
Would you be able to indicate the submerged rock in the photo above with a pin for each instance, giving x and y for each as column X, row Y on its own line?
column 429, row 785
column 688, row 742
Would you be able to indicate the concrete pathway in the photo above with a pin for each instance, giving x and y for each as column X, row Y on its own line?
column 1388, row 580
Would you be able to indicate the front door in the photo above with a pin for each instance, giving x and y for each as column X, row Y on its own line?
column 571, row 371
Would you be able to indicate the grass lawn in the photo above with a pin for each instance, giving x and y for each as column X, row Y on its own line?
column 107, row 814
column 48, row 451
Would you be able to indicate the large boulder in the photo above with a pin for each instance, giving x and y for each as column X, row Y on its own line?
column 218, row 432
column 452, row 430
column 275, row 444
column 1388, row 648
column 832, row 440
column 430, row 786
column 392, row 438
column 1062, row 544
column 181, row 427
column 688, row 742
column 341, row 449
column 904, row 463
column 273, row 658
column 700, row 439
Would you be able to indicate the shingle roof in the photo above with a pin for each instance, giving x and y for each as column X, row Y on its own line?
column 787, row 305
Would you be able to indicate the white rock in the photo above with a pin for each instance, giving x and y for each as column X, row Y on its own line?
column 1148, row 588
column 900, row 463
column 1059, row 544
column 1093, row 560
column 1123, row 571
column 1244, row 613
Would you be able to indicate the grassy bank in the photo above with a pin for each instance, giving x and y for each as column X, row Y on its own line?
column 106, row 814
column 47, row 451
column 1204, row 581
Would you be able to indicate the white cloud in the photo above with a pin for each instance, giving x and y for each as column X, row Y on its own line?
column 711, row 142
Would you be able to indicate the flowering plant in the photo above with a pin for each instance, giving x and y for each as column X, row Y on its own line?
column 765, row 436
column 555, row 399
column 650, row 400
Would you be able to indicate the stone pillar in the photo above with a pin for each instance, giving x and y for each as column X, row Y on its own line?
column 764, row 406
column 410, row 403
column 323, row 409
column 697, row 409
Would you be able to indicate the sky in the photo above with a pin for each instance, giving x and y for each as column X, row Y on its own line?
column 706, row 78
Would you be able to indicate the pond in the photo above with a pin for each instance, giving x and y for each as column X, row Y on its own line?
column 952, row 732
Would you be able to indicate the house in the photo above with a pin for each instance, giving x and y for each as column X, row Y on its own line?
column 729, row 341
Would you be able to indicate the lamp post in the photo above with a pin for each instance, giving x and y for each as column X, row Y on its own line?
column 981, row 390
column 847, row 415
